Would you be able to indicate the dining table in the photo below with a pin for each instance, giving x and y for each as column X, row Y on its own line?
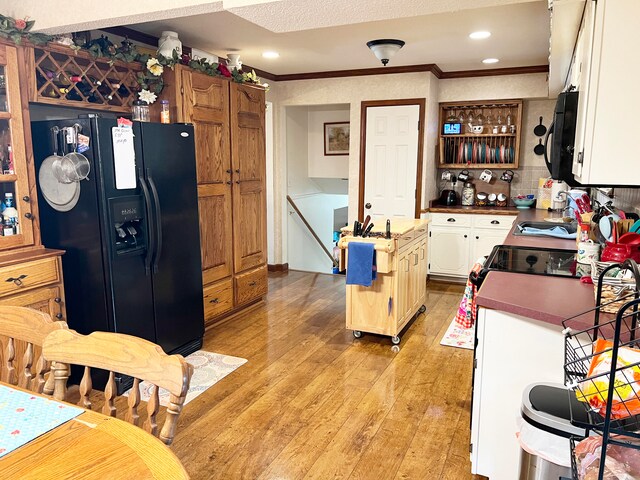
column 89, row 445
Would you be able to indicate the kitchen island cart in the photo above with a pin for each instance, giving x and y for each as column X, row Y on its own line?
column 399, row 291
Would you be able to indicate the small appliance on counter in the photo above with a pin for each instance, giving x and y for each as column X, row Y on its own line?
column 448, row 196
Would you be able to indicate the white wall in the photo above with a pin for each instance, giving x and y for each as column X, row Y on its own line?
column 304, row 253
column 297, row 148
column 321, row 165
column 354, row 90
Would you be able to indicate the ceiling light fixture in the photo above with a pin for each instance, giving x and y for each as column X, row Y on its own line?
column 385, row 48
column 270, row 54
column 479, row 35
column 490, row 60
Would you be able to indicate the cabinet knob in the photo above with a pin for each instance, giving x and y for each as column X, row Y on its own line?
column 228, row 170
column 451, row 219
column 253, row 284
column 477, row 238
column 26, row 198
column 495, row 222
column 237, row 170
column 28, row 215
column 58, row 316
column 367, row 206
column 229, row 182
column 57, row 299
column 238, row 182
column 465, row 236
column 214, row 300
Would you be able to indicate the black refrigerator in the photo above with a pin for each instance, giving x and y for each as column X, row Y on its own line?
column 132, row 262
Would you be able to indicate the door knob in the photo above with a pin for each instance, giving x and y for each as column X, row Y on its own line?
column 367, row 206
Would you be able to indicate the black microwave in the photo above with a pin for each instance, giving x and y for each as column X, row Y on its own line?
column 560, row 139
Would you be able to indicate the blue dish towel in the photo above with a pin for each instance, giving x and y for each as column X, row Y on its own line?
column 558, row 232
column 361, row 266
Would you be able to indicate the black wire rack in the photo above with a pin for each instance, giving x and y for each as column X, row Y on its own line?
column 610, row 396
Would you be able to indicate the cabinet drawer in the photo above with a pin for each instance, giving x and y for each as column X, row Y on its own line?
column 405, row 239
column 452, row 219
column 16, row 278
column 493, row 221
column 218, row 298
column 251, row 285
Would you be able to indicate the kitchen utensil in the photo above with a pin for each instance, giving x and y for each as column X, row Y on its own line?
column 614, row 230
column 367, row 230
column 388, row 230
column 539, row 149
column 367, row 219
column 605, row 228
column 73, row 167
column 355, row 228
column 62, row 197
column 635, row 227
column 630, row 239
column 539, row 131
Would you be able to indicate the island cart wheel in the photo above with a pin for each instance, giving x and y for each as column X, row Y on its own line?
column 395, row 340
column 422, row 309
column 357, row 333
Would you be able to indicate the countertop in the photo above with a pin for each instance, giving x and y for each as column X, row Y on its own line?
column 473, row 209
column 548, row 299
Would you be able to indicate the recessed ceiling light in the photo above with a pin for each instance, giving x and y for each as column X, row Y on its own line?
column 480, row 35
column 270, row 54
column 490, row 60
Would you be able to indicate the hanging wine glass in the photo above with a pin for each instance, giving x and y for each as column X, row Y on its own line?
column 480, row 118
column 499, row 117
column 461, row 117
column 509, row 119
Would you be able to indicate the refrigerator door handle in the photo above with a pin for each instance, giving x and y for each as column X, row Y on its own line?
column 157, row 220
column 152, row 235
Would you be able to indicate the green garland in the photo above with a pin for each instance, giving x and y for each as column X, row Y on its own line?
column 18, row 30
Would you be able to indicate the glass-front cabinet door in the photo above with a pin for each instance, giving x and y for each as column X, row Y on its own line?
column 16, row 229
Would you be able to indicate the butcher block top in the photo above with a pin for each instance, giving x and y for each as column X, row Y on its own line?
column 399, row 226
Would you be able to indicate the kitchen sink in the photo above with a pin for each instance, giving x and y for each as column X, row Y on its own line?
column 544, row 228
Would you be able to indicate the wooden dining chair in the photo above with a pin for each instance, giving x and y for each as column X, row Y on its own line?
column 23, row 328
column 128, row 355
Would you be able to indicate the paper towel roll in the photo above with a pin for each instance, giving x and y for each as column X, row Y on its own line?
column 558, row 202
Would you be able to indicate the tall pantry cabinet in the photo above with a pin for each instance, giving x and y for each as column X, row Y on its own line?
column 229, row 126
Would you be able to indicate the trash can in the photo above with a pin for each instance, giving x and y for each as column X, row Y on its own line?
column 545, row 453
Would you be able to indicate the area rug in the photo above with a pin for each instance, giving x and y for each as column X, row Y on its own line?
column 458, row 337
column 208, row 369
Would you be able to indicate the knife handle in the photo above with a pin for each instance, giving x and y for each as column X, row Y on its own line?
column 368, row 230
column 388, row 230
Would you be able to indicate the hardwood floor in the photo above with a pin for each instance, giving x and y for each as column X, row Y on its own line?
column 314, row 403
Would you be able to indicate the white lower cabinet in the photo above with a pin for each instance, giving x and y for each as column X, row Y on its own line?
column 512, row 352
column 456, row 241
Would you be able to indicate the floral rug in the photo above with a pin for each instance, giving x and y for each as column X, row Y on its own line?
column 457, row 336
column 209, row 368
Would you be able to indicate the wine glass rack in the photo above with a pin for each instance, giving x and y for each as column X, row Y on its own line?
column 62, row 76
column 497, row 145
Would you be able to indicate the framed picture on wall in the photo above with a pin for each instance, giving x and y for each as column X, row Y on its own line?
column 336, row 138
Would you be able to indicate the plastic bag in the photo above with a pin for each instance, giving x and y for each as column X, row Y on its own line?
column 626, row 401
column 548, row 446
column 622, row 463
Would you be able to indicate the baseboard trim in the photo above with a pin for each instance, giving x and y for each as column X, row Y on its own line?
column 278, row 267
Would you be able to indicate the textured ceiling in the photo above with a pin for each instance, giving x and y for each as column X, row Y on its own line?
column 322, row 35
column 520, row 35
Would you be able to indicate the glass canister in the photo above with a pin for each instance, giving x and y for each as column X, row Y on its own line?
column 468, row 194
column 165, row 116
column 140, row 111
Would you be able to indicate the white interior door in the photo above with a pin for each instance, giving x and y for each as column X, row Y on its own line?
column 391, row 161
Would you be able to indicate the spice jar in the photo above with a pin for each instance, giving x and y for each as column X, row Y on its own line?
column 468, row 194
column 140, row 111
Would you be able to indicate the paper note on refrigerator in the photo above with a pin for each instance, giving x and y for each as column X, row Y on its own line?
column 124, row 157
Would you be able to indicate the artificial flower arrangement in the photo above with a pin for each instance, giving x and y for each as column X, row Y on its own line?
column 150, row 79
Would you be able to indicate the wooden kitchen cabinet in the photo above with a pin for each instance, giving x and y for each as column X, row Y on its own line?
column 457, row 240
column 229, row 125
column 399, row 291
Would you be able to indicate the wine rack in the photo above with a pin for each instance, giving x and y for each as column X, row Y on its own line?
column 62, row 76
column 497, row 145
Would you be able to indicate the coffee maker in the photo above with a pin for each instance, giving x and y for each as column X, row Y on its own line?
column 448, row 195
